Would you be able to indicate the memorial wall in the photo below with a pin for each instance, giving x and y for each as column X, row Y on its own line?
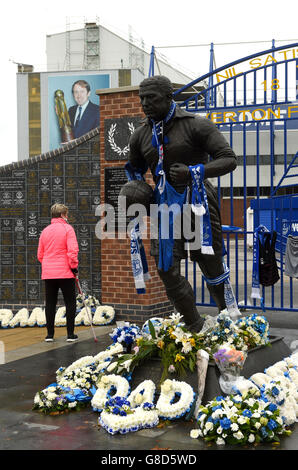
column 68, row 175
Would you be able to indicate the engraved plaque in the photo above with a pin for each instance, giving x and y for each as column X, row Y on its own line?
column 84, row 200
column 6, row 288
column 70, row 169
column 115, row 178
column 57, row 169
column 33, row 290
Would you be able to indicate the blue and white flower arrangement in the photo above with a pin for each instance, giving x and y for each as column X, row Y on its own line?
column 56, row 399
column 118, row 416
column 242, row 334
column 109, row 386
column 126, row 334
column 237, row 421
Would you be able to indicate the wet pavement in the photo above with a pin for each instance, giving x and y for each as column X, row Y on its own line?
column 24, row 429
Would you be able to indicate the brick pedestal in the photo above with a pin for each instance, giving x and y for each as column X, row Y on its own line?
column 118, row 287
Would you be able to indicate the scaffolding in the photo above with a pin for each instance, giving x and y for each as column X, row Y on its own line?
column 91, row 47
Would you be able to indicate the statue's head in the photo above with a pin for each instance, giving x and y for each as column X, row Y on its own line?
column 156, row 95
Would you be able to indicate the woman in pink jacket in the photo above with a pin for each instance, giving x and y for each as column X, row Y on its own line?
column 58, row 254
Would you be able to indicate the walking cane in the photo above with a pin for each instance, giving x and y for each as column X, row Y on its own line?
column 85, row 305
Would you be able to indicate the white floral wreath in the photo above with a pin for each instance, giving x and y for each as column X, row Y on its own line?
column 6, row 316
column 37, row 317
column 166, row 406
column 104, row 315
column 105, row 386
column 83, row 317
column 144, row 392
column 136, row 419
column 60, row 317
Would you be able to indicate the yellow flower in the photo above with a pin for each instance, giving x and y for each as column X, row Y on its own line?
column 192, row 341
column 160, row 344
column 179, row 358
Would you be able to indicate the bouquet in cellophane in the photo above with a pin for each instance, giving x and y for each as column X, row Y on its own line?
column 230, row 362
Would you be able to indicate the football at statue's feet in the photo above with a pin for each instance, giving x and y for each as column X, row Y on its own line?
column 138, row 192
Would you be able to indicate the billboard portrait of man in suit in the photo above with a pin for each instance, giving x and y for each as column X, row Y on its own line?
column 84, row 116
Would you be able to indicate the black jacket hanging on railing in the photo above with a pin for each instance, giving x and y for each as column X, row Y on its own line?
column 268, row 271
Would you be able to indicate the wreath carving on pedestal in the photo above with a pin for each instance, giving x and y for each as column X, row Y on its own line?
column 120, row 151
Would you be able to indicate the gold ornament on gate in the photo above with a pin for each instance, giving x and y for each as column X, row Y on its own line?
column 63, row 117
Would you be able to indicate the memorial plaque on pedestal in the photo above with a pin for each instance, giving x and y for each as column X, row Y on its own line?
column 115, row 178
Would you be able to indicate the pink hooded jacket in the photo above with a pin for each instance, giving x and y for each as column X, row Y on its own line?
column 58, row 250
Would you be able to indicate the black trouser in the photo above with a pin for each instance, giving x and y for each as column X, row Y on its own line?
column 68, row 289
column 180, row 292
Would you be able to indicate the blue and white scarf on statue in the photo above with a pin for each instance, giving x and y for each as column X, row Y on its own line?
column 137, row 251
column 199, row 205
column 255, row 288
column 165, row 196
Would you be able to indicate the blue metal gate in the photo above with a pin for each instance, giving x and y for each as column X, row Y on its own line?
column 254, row 102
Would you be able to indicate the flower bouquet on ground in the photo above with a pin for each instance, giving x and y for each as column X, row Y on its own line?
column 170, row 341
column 84, row 376
column 126, row 335
column 56, row 399
column 230, row 362
column 243, row 334
column 234, row 420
